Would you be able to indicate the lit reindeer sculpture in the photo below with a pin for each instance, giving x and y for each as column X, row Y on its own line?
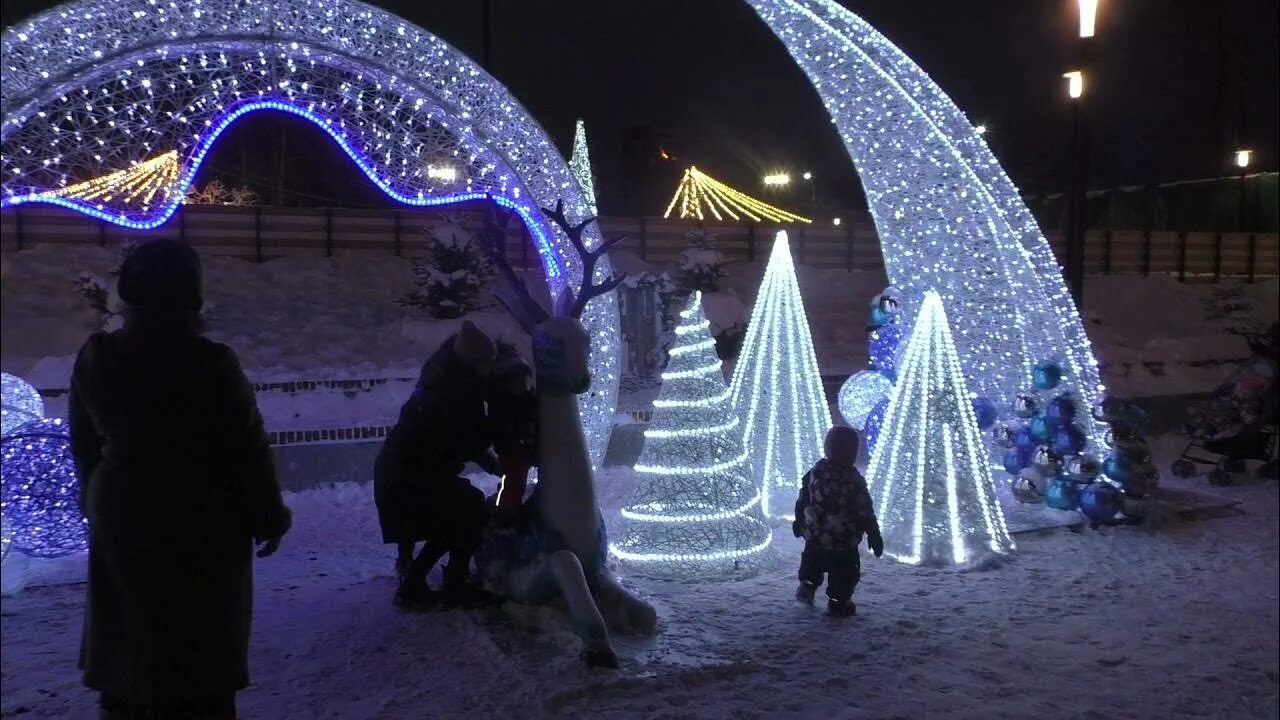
column 561, row 551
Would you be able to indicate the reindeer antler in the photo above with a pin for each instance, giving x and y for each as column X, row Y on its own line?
column 589, row 288
column 522, row 306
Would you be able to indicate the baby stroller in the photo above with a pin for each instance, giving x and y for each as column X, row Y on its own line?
column 1238, row 423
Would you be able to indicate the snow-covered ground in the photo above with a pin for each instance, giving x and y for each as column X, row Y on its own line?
column 1175, row 622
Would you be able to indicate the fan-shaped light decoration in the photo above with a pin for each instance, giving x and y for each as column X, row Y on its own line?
column 95, row 88
column 859, row 395
column 947, row 216
column 929, row 476
column 701, row 196
column 40, row 495
column 138, row 185
column 696, row 511
column 20, row 403
column 776, row 386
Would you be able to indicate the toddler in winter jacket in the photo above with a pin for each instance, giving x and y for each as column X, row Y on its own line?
column 833, row 512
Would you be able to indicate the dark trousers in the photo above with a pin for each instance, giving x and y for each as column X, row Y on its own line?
column 458, row 519
column 112, row 708
column 842, row 569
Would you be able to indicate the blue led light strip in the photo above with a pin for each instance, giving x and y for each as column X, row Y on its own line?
column 531, row 217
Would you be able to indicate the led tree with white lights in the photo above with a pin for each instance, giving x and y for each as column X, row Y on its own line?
column 580, row 166
column 929, row 476
column 777, row 389
column 696, row 510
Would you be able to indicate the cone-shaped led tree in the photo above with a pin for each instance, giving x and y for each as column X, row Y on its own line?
column 777, row 389
column 580, row 164
column 929, row 476
column 696, row 509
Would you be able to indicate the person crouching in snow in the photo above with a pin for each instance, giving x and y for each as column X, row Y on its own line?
column 418, row 487
column 833, row 512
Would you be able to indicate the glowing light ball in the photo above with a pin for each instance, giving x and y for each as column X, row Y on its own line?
column 19, row 403
column 859, row 395
column 884, row 347
column 39, row 491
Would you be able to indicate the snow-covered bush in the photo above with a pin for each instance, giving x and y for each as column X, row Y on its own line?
column 216, row 193
column 700, row 266
column 452, row 280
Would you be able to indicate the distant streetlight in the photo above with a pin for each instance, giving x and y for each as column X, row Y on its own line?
column 1075, row 84
column 1243, row 158
column 835, row 221
column 808, row 176
column 1088, row 16
column 777, row 180
column 980, row 129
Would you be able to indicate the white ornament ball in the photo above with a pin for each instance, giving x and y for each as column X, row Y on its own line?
column 859, row 395
column 19, row 403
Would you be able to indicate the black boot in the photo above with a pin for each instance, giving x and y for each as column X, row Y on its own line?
column 416, row 596
column 841, row 608
column 805, row 592
column 464, row 591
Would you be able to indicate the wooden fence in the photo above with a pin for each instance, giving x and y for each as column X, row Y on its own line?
column 262, row 233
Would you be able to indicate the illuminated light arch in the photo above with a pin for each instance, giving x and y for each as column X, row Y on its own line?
column 99, row 87
column 947, row 216
column 699, row 195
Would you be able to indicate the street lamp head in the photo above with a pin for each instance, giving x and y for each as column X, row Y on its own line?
column 777, row 179
column 835, row 221
column 980, row 129
column 1088, row 16
column 808, row 176
column 1243, row 158
column 1075, row 84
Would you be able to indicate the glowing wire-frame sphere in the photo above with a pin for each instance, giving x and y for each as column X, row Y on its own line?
column 859, row 395
column 40, row 496
column 20, row 403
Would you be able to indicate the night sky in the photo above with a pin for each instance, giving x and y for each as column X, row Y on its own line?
column 1180, row 83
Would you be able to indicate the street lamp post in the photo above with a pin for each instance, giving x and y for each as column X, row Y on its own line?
column 1078, row 93
column 1243, row 158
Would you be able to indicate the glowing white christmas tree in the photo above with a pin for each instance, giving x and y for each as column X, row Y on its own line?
column 696, row 510
column 580, row 165
column 777, row 389
column 929, row 476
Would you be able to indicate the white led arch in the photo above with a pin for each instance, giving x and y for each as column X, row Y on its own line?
column 95, row 87
column 947, row 216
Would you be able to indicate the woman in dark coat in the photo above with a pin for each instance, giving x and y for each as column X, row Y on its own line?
column 178, row 484
column 418, row 487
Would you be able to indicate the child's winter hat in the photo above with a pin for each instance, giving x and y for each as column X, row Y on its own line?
column 162, row 274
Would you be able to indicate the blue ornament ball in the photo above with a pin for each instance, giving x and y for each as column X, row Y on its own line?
column 859, row 395
column 1070, row 440
column 1100, row 501
column 1062, row 494
column 1118, row 466
column 985, row 411
column 1039, row 428
column 1047, row 375
column 1060, row 411
column 1023, row 439
column 41, row 492
column 1015, row 460
column 871, row 428
column 884, row 347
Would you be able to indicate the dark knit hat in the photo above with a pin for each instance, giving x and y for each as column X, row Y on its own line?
column 162, row 274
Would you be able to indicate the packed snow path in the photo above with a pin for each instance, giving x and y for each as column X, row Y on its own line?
column 1121, row 623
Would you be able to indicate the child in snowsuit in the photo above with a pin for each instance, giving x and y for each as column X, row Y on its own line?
column 832, row 513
